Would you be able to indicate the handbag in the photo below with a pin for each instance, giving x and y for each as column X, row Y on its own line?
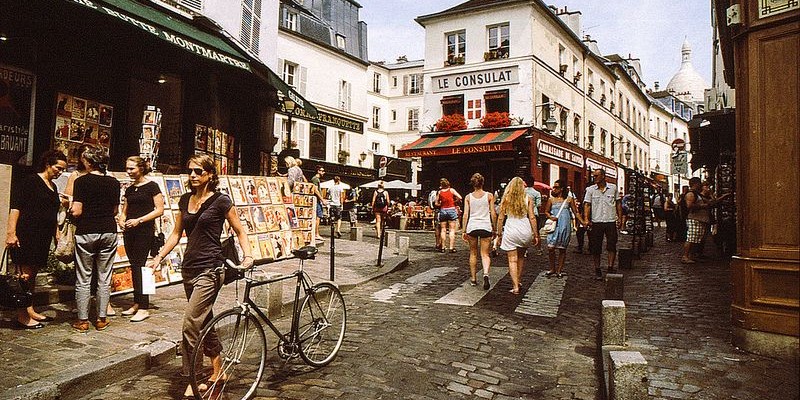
column 230, row 252
column 65, row 248
column 158, row 243
column 550, row 225
column 14, row 292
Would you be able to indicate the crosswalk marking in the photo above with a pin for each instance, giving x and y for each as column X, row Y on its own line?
column 412, row 284
column 468, row 295
column 543, row 297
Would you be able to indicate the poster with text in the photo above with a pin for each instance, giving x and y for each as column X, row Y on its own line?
column 17, row 99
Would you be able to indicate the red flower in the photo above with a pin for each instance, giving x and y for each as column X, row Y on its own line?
column 452, row 122
column 495, row 120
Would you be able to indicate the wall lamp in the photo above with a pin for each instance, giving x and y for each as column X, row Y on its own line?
column 550, row 124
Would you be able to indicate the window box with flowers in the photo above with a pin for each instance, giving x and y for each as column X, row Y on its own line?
column 450, row 123
column 454, row 60
column 495, row 120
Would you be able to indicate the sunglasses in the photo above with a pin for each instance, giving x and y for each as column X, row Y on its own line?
column 556, row 187
column 197, row 171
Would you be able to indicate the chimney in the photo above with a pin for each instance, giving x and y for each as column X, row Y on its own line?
column 655, row 86
column 402, row 59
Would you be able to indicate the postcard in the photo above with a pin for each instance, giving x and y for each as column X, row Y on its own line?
column 237, row 190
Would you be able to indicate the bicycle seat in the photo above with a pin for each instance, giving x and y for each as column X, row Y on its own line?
column 305, row 253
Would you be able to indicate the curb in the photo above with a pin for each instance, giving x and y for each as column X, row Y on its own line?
column 136, row 360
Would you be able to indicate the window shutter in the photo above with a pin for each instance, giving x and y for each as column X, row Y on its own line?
column 341, row 94
column 280, row 69
column 302, row 85
column 348, row 96
column 419, row 83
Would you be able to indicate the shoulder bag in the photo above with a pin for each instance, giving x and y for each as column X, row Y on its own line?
column 65, row 248
column 550, row 225
column 14, row 292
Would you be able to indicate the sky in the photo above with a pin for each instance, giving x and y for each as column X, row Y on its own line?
column 651, row 30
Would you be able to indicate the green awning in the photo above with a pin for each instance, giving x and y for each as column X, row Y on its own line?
column 211, row 46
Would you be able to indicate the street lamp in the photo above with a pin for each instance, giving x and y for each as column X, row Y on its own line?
column 628, row 155
column 361, row 158
column 550, row 123
column 289, row 105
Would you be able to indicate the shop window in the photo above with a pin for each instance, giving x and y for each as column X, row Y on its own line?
column 413, row 119
column 474, row 109
column 456, row 47
column 496, row 101
column 453, row 105
column 376, row 117
column 316, row 144
column 251, row 24
column 498, row 42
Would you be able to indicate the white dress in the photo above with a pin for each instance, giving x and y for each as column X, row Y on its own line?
column 516, row 232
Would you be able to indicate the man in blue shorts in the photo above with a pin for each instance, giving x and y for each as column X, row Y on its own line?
column 603, row 211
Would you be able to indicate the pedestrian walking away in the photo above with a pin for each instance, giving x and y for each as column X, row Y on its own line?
column 142, row 204
column 479, row 219
column 536, row 196
column 380, row 207
column 516, row 227
column 602, row 212
column 95, row 205
column 561, row 208
column 203, row 211
column 337, row 194
column 446, row 199
column 32, row 225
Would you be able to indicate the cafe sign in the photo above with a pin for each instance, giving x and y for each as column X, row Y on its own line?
column 457, row 150
column 475, row 79
column 559, row 153
column 324, row 118
column 611, row 172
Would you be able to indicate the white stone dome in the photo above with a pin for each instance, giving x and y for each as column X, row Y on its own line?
column 687, row 84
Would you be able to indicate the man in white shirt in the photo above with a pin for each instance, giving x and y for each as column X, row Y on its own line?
column 603, row 211
column 337, row 194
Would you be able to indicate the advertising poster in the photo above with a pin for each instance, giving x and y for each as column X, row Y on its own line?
column 17, row 101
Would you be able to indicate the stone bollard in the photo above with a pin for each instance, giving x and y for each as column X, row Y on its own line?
column 628, row 376
column 615, row 287
column 274, row 297
column 356, row 233
column 391, row 239
column 403, row 245
column 613, row 323
column 625, row 257
column 403, row 222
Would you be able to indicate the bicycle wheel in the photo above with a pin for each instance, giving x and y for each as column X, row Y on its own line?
column 321, row 324
column 243, row 352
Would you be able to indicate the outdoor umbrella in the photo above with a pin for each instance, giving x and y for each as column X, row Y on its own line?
column 329, row 184
column 372, row 184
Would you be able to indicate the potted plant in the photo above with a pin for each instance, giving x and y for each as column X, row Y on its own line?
column 495, row 120
column 450, row 123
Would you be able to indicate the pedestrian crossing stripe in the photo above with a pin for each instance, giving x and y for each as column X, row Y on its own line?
column 468, row 295
column 543, row 298
column 412, row 284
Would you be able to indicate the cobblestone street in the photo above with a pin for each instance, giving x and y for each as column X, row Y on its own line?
column 403, row 342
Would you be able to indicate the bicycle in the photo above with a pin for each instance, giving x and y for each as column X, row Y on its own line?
column 316, row 334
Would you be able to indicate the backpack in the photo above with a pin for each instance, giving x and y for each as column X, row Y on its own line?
column 380, row 200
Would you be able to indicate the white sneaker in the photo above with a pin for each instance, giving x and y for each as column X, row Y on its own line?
column 140, row 316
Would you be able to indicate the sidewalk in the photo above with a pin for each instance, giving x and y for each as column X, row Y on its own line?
column 52, row 362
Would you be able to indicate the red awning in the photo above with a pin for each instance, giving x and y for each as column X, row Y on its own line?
column 462, row 143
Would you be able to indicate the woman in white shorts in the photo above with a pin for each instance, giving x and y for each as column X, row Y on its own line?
column 516, row 224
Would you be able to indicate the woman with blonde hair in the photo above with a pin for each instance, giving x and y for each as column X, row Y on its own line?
column 142, row 205
column 478, row 224
column 516, row 225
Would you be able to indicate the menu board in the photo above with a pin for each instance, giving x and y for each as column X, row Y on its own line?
column 276, row 217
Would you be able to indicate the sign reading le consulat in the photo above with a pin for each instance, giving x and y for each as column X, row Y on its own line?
column 451, row 151
column 475, row 79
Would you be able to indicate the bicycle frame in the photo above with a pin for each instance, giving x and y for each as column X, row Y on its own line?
column 302, row 281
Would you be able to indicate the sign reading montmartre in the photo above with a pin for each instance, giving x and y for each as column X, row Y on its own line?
column 475, row 79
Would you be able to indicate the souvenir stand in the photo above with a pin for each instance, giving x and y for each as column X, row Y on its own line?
column 638, row 218
column 278, row 219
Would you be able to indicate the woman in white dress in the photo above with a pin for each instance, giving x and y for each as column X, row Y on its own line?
column 516, row 224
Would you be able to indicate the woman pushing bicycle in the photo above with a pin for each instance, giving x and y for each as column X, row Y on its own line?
column 203, row 212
